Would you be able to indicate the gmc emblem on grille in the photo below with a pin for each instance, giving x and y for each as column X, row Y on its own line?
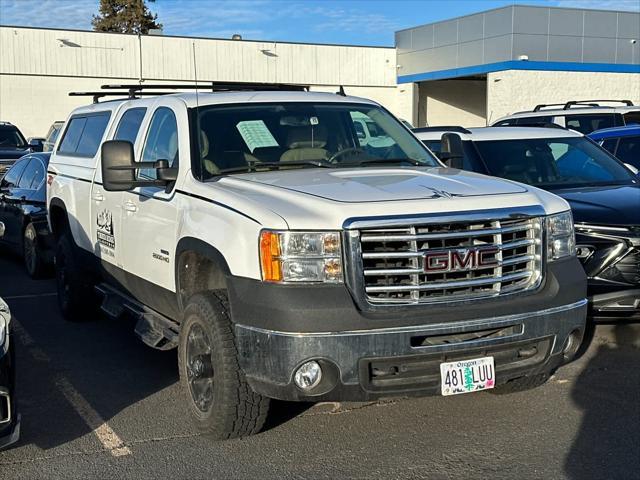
column 462, row 259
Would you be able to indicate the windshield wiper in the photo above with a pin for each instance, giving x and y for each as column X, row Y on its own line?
column 371, row 161
column 276, row 165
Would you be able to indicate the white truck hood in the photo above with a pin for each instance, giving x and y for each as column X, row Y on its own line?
column 317, row 199
column 384, row 184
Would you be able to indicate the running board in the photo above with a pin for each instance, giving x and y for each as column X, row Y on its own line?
column 153, row 328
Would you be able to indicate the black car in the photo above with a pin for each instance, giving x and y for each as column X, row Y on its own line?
column 9, row 418
column 13, row 145
column 24, row 214
column 603, row 193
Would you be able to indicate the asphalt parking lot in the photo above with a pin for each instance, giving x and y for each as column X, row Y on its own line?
column 97, row 402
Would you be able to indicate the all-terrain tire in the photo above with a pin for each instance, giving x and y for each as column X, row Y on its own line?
column 76, row 297
column 521, row 384
column 229, row 408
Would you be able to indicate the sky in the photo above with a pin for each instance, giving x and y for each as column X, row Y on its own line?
column 352, row 22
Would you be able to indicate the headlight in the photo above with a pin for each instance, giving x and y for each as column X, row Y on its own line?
column 5, row 318
column 301, row 256
column 561, row 238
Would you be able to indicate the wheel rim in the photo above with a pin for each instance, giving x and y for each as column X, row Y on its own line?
column 199, row 367
column 30, row 253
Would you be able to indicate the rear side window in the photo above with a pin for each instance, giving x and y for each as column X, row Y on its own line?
column 632, row 118
column 588, row 123
column 84, row 134
column 129, row 124
column 72, row 135
column 32, row 176
column 629, row 150
column 10, row 180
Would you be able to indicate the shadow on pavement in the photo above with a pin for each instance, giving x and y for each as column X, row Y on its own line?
column 102, row 359
column 608, row 391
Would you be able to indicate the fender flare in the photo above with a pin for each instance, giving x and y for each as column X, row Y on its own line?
column 203, row 249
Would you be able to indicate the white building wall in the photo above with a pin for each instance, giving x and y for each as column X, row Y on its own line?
column 39, row 67
column 516, row 90
column 453, row 102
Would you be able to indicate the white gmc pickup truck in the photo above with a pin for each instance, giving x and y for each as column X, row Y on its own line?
column 284, row 259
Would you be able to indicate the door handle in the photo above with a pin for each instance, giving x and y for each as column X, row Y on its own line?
column 129, row 206
column 98, row 197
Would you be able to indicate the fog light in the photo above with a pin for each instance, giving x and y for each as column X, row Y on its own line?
column 572, row 344
column 308, row 375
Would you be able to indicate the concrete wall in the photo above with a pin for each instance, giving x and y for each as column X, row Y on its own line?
column 452, row 102
column 515, row 90
column 38, row 67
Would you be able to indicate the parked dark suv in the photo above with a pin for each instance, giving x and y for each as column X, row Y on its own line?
column 603, row 193
column 13, row 145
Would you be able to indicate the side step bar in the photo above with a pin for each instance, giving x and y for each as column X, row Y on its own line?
column 153, row 328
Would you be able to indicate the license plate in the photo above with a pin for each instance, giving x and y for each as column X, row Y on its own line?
column 466, row 376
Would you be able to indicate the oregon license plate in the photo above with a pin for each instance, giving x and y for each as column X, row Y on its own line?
column 466, row 376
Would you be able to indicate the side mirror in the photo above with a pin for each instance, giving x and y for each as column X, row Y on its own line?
column 1, row 229
column 119, row 168
column 451, row 151
column 36, row 144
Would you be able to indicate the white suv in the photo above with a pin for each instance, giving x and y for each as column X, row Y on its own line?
column 254, row 232
column 584, row 116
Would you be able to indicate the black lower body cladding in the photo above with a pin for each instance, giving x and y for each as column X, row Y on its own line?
column 397, row 351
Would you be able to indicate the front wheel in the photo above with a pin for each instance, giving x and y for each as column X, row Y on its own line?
column 219, row 399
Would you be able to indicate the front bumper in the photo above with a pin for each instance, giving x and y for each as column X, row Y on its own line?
column 370, row 364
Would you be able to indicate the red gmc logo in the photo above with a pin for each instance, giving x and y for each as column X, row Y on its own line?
column 441, row 261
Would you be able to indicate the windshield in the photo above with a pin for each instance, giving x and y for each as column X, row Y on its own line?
column 255, row 137
column 11, row 137
column 553, row 162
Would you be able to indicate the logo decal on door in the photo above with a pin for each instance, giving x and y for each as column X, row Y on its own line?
column 105, row 230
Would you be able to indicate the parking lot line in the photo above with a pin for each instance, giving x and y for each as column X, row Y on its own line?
column 109, row 439
column 105, row 434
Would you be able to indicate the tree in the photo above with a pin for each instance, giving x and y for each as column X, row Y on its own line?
column 125, row 16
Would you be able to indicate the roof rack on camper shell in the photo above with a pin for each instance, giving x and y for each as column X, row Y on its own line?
column 132, row 91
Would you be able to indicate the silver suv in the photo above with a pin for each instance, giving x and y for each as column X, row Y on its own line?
column 584, row 116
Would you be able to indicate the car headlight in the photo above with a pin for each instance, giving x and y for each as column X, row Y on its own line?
column 300, row 256
column 561, row 238
column 5, row 318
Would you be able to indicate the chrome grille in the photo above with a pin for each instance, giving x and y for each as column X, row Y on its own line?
column 402, row 264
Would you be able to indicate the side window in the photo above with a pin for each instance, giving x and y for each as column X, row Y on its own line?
column 610, row 144
column 72, row 135
column 161, row 142
column 534, row 120
column 629, row 150
column 632, row 118
column 129, row 124
column 92, row 135
column 30, row 174
column 10, row 180
column 84, row 134
column 588, row 123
